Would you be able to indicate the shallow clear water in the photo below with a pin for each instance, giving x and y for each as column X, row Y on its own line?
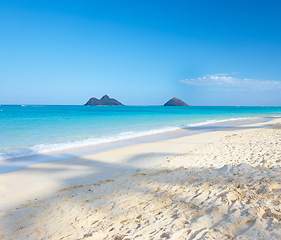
column 27, row 130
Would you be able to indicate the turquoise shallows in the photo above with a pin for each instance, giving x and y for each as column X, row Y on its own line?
column 27, row 130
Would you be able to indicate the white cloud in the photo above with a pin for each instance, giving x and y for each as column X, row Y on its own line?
column 228, row 82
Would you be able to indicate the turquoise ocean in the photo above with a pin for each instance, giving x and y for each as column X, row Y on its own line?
column 31, row 130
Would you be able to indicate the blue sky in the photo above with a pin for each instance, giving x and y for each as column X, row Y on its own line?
column 140, row 52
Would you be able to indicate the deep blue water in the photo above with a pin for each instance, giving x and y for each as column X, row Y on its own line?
column 25, row 130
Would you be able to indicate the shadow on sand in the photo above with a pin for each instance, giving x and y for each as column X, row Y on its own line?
column 185, row 197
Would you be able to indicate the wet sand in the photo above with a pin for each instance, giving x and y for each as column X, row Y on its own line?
column 216, row 184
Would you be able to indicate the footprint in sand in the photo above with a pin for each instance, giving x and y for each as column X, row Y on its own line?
column 243, row 227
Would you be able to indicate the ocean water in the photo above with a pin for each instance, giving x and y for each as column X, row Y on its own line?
column 31, row 130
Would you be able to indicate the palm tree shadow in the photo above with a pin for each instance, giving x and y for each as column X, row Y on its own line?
column 183, row 194
column 184, row 190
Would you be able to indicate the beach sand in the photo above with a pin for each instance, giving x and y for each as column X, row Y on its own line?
column 223, row 184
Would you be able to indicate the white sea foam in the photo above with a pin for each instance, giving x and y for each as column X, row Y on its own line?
column 218, row 121
column 46, row 148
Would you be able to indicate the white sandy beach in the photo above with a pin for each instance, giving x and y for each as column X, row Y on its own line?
column 217, row 185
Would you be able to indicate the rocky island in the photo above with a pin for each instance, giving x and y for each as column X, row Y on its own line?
column 175, row 102
column 104, row 101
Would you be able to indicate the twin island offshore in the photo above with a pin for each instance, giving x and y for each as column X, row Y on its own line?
column 107, row 101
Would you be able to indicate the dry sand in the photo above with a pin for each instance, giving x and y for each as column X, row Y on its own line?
column 217, row 185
